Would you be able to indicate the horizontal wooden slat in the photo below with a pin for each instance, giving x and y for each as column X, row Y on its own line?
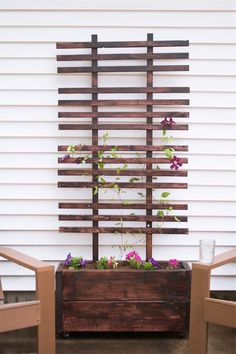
column 122, row 218
column 123, row 230
column 122, row 185
column 142, row 206
column 75, row 90
column 19, row 315
column 125, row 56
column 120, row 44
column 113, row 69
column 121, row 160
column 220, row 312
column 129, row 172
column 122, row 114
column 121, row 127
column 125, row 147
column 161, row 102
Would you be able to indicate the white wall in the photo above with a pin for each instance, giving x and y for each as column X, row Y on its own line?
column 29, row 132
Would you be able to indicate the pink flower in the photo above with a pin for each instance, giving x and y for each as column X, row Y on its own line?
column 133, row 255
column 137, row 257
column 110, row 262
column 173, row 263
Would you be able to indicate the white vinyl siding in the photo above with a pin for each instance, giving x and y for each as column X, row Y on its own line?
column 29, row 132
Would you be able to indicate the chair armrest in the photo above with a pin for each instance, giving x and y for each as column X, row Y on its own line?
column 23, row 260
column 221, row 259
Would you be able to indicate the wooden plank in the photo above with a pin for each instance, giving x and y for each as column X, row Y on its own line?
column 128, row 160
column 143, row 206
column 155, row 218
column 173, row 114
column 19, row 315
column 124, row 56
column 119, row 316
column 94, row 84
column 84, row 90
column 140, row 285
column 123, row 126
column 130, row 172
column 123, row 230
column 220, row 312
column 113, row 69
column 125, row 147
column 120, row 44
column 133, row 185
column 130, row 102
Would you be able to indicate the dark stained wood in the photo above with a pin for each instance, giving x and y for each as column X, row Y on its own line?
column 76, row 90
column 128, row 160
column 125, row 284
column 167, row 218
column 125, row 44
column 136, row 301
column 117, row 316
column 123, row 230
column 114, row 69
column 120, row 127
column 154, row 114
column 130, row 172
column 94, row 84
column 124, row 56
column 101, row 103
column 123, row 185
column 131, row 205
column 122, row 299
column 125, row 147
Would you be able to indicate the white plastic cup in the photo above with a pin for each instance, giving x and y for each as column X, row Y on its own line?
column 206, row 251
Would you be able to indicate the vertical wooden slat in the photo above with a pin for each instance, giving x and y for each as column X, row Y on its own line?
column 95, row 142
column 149, row 141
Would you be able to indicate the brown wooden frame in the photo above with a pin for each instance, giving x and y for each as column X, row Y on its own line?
column 150, row 111
column 205, row 309
column 39, row 313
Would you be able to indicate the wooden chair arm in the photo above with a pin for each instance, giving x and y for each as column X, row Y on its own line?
column 23, row 260
column 223, row 258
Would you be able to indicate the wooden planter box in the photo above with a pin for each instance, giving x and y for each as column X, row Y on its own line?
column 122, row 300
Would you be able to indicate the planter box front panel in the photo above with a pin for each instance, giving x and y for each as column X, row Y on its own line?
column 123, row 316
column 125, row 285
column 123, row 300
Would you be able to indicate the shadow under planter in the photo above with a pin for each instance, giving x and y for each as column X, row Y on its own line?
column 122, row 300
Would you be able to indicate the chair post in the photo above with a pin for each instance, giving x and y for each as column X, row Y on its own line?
column 200, row 289
column 46, row 294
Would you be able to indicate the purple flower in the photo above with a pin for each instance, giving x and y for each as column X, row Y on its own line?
column 176, row 162
column 67, row 260
column 67, row 156
column 154, row 262
column 173, row 263
column 167, row 122
column 83, row 263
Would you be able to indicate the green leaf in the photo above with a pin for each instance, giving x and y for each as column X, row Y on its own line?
column 134, row 179
column 165, row 194
column 141, row 194
column 101, row 165
column 126, row 202
column 160, row 214
column 105, row 137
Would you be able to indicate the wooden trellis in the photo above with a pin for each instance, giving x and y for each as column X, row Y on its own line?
column 149, row 150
